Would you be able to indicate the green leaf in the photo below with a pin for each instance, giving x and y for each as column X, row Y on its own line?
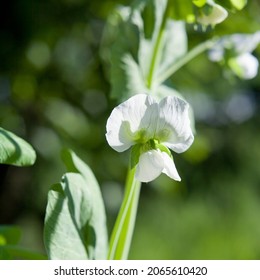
column 14, row 150
column 98, row 217
column 154, row 42
column 75, row 222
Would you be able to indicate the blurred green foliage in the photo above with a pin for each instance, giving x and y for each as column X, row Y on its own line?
column 54, row 93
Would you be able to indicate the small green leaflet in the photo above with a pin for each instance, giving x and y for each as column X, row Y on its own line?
column 14, row 150
column 75, row 221
column 134, row 156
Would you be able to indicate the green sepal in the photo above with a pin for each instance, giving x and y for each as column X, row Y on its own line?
column 163, row 148
column 139, row 149
column 135, row 154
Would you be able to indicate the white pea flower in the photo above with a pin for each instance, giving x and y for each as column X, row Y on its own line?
column 245, row 65
column 150, row 128
column 235, row 51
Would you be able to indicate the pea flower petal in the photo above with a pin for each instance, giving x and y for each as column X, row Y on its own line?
column 153, row 163
column 132, row 119
column 173, row 126
column 150, row 166
column 169, row 168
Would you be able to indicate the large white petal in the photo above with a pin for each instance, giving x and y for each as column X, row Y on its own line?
column 173, row 128
column 150, row 166
column 169, row 167
column 132, row 121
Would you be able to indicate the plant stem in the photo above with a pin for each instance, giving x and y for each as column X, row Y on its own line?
column 185, row 59
column 123, row 230
column 157, row 47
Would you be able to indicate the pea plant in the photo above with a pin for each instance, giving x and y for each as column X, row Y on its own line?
column 142, row 47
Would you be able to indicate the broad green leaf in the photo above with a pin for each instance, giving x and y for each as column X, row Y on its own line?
column 75, row 222
column 98, row 216
column 64, row 229
column 14, row 150
column 140, row 44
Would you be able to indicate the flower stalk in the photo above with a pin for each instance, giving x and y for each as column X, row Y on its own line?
column 185, row 59
column 157, row 46
column 124, row 227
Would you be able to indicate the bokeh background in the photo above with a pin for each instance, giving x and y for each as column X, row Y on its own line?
column 54, row 93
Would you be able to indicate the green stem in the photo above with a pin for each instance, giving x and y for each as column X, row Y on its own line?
column 123, row 230
column 157, row 47
column 185, row 59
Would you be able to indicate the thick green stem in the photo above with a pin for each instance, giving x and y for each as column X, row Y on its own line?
column 185, row 59
column 123, row 230
column 157, row 46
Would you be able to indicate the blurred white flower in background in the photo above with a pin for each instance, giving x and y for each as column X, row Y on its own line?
column 235, row 51
column 244, row 66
